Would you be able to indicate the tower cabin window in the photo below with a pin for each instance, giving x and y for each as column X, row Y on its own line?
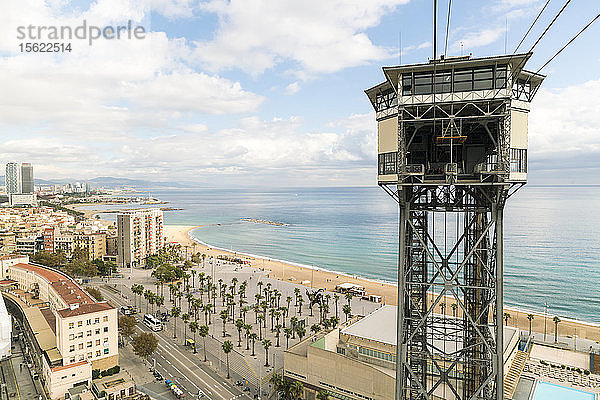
column 454, row 80
column 386, row 99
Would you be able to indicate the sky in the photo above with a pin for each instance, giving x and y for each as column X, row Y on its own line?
column 268, row 92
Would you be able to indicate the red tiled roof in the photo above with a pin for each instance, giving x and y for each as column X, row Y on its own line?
column 61, row 367
column 7, row 282
column 85, row 309
column 68, row 290
column 10, row 257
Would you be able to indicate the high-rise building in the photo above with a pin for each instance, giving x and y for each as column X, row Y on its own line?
column 26, row 178
column 12, row 178
column 139, row 235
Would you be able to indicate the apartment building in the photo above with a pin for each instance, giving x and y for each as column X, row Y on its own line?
column 71, row 332
column 139, row 235
column 8, row 244
column 93, row 243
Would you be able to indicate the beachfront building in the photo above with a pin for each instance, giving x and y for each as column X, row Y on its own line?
column 139, row 235
column 357, row 361
column 71, row 333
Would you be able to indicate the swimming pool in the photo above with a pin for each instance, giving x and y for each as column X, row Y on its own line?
column 550, row 391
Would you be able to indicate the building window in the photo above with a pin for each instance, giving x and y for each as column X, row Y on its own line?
column 387, row 163
column 80, row 335
column 80, row 323
column 105, row 318
column 98, row 353
column 89, row 333
column 97, row 321
column 106, row 351
column 71, row 325
column 89, row 322
column 72, row 359
column 97, row 331
column 71, row 336
column 89, row 344
column 71, row 348
column 80, row 346
column 97, row 342
column 106, row 329
column 518, row 160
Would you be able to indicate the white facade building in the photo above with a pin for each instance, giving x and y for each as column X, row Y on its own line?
column 139, row 235
column 12, row 178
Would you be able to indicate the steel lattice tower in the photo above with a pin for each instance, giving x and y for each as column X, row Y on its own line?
column 452, row 145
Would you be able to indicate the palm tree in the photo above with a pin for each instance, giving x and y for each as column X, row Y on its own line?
column 253, row 337
column 147, row 294
column 160, row 301
column 175, row 311
column 193, row 272
column 277, row 333
column 300, row 301
column 266, row 344
column 506, row 318
column 224, row 315
column 285, row 388
column 530, row 318
column 336, row 297
column 239, row 324
column 185, row 317
column 301, row 331
column 227, row 348
column 203, row 332
column 138, row 291
column 556, row 322
column 247, row 329
column 454, row 307
column 260, row 319
column 207, row 308
column 348, row 297
column 323, row 395
column 315, row 328
column 443, row 307
column 293, row 322
column 297, row 294
column 347, row 310
column 193, row 329
column 288, row 332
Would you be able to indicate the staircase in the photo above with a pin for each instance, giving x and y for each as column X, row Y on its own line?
column 514, row 373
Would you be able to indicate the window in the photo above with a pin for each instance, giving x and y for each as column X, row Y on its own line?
column 89, row 344
column 106, row 329
column 423, row 83
column 387, row 163
column 71, row 336
column 71, row 325
column 105, row 351
column 385, row 100
column 72, row 359
column 105, row 318
column 89, row 355
column 80, row 335
column 81, row 357
column 518, row 160
column 97, row 331
column 71, row 348
column 500, row 77
column 407, row 84
column 98, row 353
column 80, row 346
column 97, row 342
column 89, row 333
column 463, row 80
column 80, row 323
column 89, row 322
column 483, row 78
column 97, row 321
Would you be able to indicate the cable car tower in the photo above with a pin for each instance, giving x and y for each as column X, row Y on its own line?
column 452, row 148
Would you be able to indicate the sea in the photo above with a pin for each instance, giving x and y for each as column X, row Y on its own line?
column 552, row 236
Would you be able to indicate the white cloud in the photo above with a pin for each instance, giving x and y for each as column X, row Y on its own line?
column 473, row 40
column 564, row 127
column 292, row 88
column 320, row 36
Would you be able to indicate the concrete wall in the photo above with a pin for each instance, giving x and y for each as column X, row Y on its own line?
column 387, row 134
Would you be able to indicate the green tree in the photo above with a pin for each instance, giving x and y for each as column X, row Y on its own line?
column 95, row 293
column 506, row 318
column 175, row 312
column 144, row 345
column 253, row 337
column 286, row 389
column 185, row 317
column 227, row 348
column 126, row 325
column 266, row 344
column 224, row 315
column 239, row 324
column 301, row 331
column 194, row 329
column 288, row 333
column 203, row 332
column 556, row 322
column 347, row 311
column 530, row 318
column 323, row 395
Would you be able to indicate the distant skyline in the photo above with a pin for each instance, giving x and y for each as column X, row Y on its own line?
column 269, row 93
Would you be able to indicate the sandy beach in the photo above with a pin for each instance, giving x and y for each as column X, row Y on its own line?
column 325, row 279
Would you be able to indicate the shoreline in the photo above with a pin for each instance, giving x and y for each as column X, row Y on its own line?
column 315, row 277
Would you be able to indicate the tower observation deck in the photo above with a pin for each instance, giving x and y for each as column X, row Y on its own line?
column 452, row 148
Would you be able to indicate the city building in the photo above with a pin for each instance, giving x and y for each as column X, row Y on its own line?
column 21, row 199
column 71, row 333
column 358, row 359
column 12, row 178
column 93, row 243
column 27, row 184
column 139, row 235
column 8, row 244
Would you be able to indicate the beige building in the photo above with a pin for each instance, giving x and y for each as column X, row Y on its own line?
column 93, row 243
column 139, row 235
column 357, row 360
column 8, row 244
column 73, row 333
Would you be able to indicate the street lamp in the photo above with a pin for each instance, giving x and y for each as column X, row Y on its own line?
column 545, row 318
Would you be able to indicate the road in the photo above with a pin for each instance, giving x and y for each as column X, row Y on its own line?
column 183, row 368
